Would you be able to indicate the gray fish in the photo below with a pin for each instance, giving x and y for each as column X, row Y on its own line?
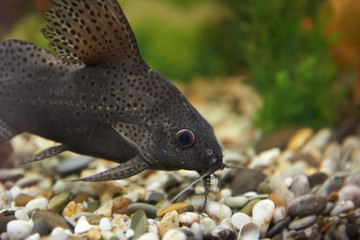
column 96, row 96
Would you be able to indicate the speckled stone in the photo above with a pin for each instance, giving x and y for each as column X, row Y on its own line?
column 169, row 221
column 52, row 219
column 307, row 205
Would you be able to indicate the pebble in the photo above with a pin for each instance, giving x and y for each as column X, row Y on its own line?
column 265, row 158
column 41, row 227
column 150, row 210
column 307, row 205
column 319, row 140
column 197, row 231
column 11, row 174
column 333, row 184
column 82, row 226
column 207, row 224
column 154, row 197
column 262, row 214
column 352, row 193
column 139, row 223
column 236, row 201
column 105, row 209
column 73, row 164
column 299, row 138
column 222, row 233
column 52, row 219
column 22, row 199
column 218, row 211
column 249, row 232
column 174, row 234
column 342, row 206
column 300, row 186
column 188, row 218
column 120, row 205
column 169, row 221
column 239, row 220
column 317, row 178
column 264, row 188
column 302, row 223
column 19, row 229
column 247, row 209
column 36, row 204
column 59, row 201
column 21, row 215
column 105, row 224
column 29, row 180
column 241, row 183
column 148, row 236
column 279, row 227
column 179, row 207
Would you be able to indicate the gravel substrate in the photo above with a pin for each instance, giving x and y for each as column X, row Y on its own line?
column 308, row 190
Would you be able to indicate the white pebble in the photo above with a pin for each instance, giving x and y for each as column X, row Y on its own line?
column 218, row 211
column 19, row 229
column 21, row 215
column 249, row 232
column 226, row 223
column 188, row 218
column 265, row 158
column 14, row 191
column 35, row 236
column 239, row 220
column 82, row 225
column 149, row 236
column 129, row 233
column 174, row 234
column 207, row 224
column 236, row 202
column 37, row 203
column 250, row 194
column 279, row 214
column 105, row 224
column 196, row 229
column 262, row 215
column 342, row 206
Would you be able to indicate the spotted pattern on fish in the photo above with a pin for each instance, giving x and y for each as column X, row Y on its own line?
column 97, row 96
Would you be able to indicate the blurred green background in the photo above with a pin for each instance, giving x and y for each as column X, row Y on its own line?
column 283, row 47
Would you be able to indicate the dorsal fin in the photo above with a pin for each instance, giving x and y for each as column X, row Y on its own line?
column 89, row 31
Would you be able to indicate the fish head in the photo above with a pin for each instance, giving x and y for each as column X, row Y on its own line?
column 185, row 141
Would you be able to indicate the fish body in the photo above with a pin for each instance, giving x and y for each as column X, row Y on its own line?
column 97, row 96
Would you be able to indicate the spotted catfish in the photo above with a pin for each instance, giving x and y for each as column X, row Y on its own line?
column 97, row 96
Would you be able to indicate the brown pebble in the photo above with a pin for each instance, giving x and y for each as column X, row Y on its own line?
column 81, row 198
column 324, row 228
column 4, row 221
column 52, row 219
column 22, row 199
column 276, row 199
column 120, row 205
column 333, row 197
column 93, row 234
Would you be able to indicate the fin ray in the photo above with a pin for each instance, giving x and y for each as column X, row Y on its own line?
column 89, row 31
column 124, row 170
column 6, row 131
column 52, row 151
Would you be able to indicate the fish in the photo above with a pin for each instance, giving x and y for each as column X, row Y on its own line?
column 95, row 95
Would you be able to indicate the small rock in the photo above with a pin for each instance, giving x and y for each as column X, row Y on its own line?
column 37, row 203
column 94, row 219
column 262, row 214
column 29, row 180
column 130, row 233
column 198, row 233
column 264, row 188
column 207, row 224
column 222, row 233
column 352, row 193
column 169, row 221
column 11, row 174
column 249, row 207
column 154, row 197
column 21, row 215
column 188, row 218
column 52, row 219
column 150, row 210
column 280, row 211
column 317, row 179
column 265, row 158
column 139, row 223
column 302, row 223
column 73, row 164
column 249, row 232
column 279, row 227
column 105, row 209
column 218, row 211
column 174, row 234
column 105, row 224
column 300, row 186
column 179, row 207
column 299, row 138
column 120, row 205
column 82, row 226
column 236, row 202
column 4, row 221
column 241, row 183
column 19, row 229
column 239, row 220
column 319, row 140
column 22, row 199
column 342, row 206
column 148, row 236
column 333, row 184
column 59, row 201
column 307, row 205
column 41, row 227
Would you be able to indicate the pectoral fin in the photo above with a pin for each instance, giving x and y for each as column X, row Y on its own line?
column 47, row 153
column 124, row 170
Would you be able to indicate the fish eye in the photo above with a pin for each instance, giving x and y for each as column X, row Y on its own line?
column 185, row 137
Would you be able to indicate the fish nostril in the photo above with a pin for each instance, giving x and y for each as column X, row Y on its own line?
column 209, row 152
